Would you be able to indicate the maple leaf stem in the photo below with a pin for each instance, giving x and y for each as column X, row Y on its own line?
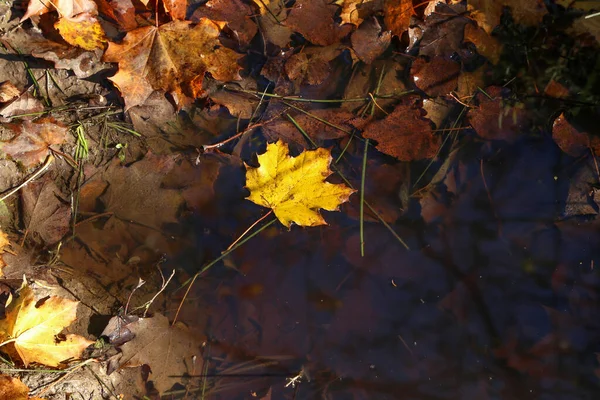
column 8, row 342
column 362, row 200
column 190, row 282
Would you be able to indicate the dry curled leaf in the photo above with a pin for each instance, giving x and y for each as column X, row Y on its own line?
column 66, row 8
column 31, row 144
column 294, row 187
column 152, row 58
column 33, row 329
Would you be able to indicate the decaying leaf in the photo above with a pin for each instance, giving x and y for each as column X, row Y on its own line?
column 135, row 193
column 152, row 58
column 34, row 328
column 31, row 144
column 44, row 212
column 272, row 12
column 405, row 133
column 436, row 77
column 350, row 13
column 488, row 46
column 397, row 15
column 487, row 13
column 13, row 389
column 8, row 92
column 167, row 350
column 66, row 8
column 235, row 13
column 83, row 31
column 369, row 41
column 496, row 120
column 294, row 187
column 571, row 141
column 314, row 19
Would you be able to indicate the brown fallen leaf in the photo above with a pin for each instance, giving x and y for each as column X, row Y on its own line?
column 405, row 133
column 496, row 120
column 8, row 92
column 397, row 15
column 488, row 46
column 317, row 129
column 272, row 12
column 152, row 58
column 66, row 8
column 31, row 143
column 120, row 12
column 33, row 329
column 135, row 193
column 443, row 31
column 571, row 141
column 436, row 77
column 487, row 13
column 235, row 13
column 369, row 41
column 175, row 8
column 314, row 19
column 167, row 350
column 13, row 389
column 45, row 214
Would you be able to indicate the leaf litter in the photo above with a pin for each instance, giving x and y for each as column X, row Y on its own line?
column 133, row 183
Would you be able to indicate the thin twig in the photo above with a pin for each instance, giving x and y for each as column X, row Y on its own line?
column 37, row 173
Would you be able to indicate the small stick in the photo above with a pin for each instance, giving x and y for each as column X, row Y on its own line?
column 362, row 200
column 249, row 229
column 37, row 173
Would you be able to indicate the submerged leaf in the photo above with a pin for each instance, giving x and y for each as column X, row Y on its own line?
column 295, row 187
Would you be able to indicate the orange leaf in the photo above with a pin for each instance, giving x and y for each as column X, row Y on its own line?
column 32, row 330
column 152, row 58
column 397, row 15
column 13, row 389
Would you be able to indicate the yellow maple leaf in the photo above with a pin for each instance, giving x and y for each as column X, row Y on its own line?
column 31, row 331
column 294, row 187
column 83, row 31
column 4, row 242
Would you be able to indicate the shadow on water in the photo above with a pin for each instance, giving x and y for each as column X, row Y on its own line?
column 494, row 299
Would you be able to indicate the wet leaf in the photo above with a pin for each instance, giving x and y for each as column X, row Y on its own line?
column 294, row 187
column 314, row 20
column 571, row 141
column 136, row 194
column 235, row 13
column 272, row 13
column 442, row 32
column 496, row 120
column 487, row 13
column 316, row 129
column 45, row 213
column 31, row 144
column 397, row 15
column 34, row 328
column 153, row 58
column 369, row 41
column 488, row 46
column 83, row 31
column 66, row 8
column 436, row 77
column 405, row 133
column 13, row 389
column 167, row 350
